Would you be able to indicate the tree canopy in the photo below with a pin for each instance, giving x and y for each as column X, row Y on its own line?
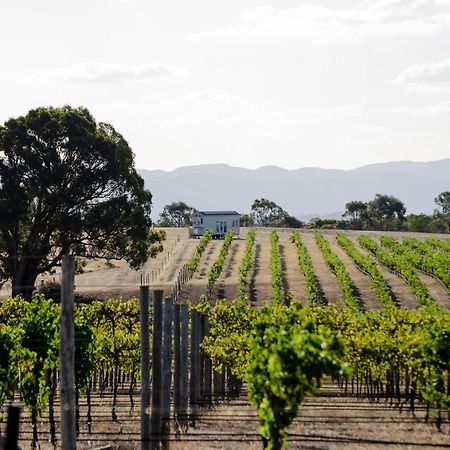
column 442, row 214
column 176, row 214
column 67, row 185
column 266, row 213
column 386, row 210
column 357, row 211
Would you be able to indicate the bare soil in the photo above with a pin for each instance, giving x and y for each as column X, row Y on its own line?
column 331, row 420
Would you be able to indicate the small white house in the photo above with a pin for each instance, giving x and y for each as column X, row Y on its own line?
column 219, row 222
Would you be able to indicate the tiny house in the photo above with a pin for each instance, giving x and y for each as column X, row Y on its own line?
column 219, row 222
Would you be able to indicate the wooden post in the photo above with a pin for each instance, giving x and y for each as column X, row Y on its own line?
column 192, row 361
column 208, row 370
column 184, row 367
column 202, row 358
column 195, row 362
column 12, row 430
column 155, row 421
column 219, row 384
column 67, row 355
column 197, row 358
column 216, row 384
column 145, row 367
column 176, row 360
column 166, row 365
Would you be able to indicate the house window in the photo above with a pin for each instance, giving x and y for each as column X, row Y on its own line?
column 217, row 227
column 201, row 220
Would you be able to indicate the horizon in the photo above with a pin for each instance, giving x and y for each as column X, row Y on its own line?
column 297, row 168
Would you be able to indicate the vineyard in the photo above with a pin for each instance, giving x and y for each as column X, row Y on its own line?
column 319, row 339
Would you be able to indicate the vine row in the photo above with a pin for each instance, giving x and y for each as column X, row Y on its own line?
column 399, row 265
column 195, row 259
column 368, row 266
column 338, row 268
column 246, row 264
column 313, row 291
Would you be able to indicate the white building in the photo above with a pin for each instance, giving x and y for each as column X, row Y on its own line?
column 219, row 222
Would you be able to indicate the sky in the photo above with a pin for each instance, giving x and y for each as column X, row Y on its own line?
column 250, row 83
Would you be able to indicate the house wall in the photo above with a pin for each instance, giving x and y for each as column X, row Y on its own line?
column 232, row 223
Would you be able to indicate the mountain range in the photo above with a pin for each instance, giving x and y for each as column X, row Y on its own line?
column 303, row 193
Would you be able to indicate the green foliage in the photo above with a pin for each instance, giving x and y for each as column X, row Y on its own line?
column 155, row 241
column 176, row 214
column 386, row 212
column 67, row 185
column 9, row 349
column 423, row 223
column 401, row 266
column 287, row 361
column 247, row 220
column 228, row 341
column 421, row 256
column 246, row 265
column 436, row 351
column 313, row 293
column 39, row 339
column 338, row 268
column 267, row 213
column 368, row 266
column 195, row 259
column 276, row 269
column 442, row 214
column 439, row 244
column 216, row 268
column 117, row 322
column 86, row 349
column 357, row 211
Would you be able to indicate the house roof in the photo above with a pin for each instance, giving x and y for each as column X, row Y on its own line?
column 218, row 213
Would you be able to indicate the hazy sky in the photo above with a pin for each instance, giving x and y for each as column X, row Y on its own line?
column 331, row 83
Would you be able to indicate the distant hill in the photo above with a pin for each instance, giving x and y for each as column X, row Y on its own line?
column 303, row 192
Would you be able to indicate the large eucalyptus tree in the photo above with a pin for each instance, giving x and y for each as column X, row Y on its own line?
column 67, row 185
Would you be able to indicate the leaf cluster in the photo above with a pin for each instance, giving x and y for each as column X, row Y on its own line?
column 216, row 268
column 368, row 266
column 276, row 269
column 313, row 292
column 195, row 258
column 246, row 264
column 338, row 268
column 400, row 265
column 287, row 361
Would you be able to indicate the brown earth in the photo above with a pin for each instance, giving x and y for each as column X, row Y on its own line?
column 330, row 420
column 102, row 280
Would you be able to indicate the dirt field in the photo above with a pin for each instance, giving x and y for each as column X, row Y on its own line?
column 260, row 289
column 331, row 420
column 161, row 272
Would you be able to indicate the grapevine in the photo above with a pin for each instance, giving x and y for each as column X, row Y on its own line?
column 338, row 268
column 195, row 259
column 313, row 292
column 368, row 266
column 216, row 268
column 246, row 264
column 276, row 268
column 399, row 265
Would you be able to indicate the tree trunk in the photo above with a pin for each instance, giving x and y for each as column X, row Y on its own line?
column 24, row 279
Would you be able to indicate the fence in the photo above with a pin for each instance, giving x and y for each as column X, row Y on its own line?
column 177, row 379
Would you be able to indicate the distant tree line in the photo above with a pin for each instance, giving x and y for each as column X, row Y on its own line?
column 383, row 213
column 386, row 212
